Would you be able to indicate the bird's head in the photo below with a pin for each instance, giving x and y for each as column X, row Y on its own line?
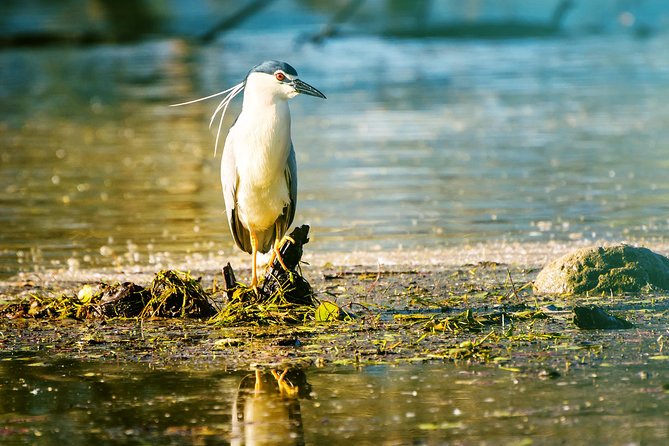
column 277, row 79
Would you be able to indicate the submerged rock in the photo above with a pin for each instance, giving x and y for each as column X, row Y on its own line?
column 592, row 317
column 612, row 269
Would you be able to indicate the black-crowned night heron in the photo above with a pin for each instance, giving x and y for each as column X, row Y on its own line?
column 258, row 169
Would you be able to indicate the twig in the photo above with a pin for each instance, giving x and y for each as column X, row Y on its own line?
column 230, row 280
column 513, row 285
column 376, row 281
column 330, row 29
column 234, row 19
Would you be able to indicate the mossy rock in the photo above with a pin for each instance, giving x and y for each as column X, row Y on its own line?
column 612, row 269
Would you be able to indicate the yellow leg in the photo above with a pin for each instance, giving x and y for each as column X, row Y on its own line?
column 275, row 250
column 258, row 385
column 254, row 255
column 276, row 254
column 286, row 388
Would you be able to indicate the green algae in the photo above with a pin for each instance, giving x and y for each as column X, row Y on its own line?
column 613, row 269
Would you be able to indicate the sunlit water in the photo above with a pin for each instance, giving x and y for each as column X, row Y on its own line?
column 421, row 143
column 52, row 401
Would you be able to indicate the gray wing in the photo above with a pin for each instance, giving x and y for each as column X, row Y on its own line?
column 229, row 181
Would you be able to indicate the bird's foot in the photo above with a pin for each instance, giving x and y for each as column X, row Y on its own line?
column 286, row 388
column 254, row 280
column 276, row 252
column 254, row 286
column 254, row 277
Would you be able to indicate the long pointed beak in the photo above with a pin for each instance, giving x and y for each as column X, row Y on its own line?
column 303, row 87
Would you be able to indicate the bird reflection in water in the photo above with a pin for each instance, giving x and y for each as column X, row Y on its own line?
column 266, row 410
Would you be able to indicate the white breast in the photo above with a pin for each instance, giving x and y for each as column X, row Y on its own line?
column 260, row 140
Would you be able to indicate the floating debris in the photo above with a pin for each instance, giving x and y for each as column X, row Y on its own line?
column 327, row 312
column 460, row 322
column 39, row 307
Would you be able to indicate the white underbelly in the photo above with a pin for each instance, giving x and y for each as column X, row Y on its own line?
column 259, row 207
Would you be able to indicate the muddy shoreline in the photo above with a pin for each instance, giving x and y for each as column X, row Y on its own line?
column 475, row 313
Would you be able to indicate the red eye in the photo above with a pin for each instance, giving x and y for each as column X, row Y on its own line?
column 280, row 76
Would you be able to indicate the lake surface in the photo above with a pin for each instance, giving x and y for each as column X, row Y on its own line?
column 421, row 143
column 56, row 401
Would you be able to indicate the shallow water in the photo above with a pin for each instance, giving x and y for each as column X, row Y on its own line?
column 51, row 401
column 421, row 143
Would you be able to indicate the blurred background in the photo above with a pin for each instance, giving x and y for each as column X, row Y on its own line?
column 448, row 123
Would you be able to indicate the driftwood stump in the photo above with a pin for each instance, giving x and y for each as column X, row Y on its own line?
column 288, row 283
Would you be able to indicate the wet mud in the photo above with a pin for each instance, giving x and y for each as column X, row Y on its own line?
column 480, row 313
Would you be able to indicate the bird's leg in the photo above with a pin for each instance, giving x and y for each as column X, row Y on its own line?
column 276, row 254
column 254, row 256
column 257, row 388
column 286, row 388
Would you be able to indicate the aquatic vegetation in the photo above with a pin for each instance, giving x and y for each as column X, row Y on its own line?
column 39, row 307
column 407, row 316
column 170, row 294
column 463, row 321
column 327, row 312
column 177, row 294
column 245, row 307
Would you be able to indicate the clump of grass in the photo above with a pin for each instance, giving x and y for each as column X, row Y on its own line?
column 460, row 322
column 470, row 349
column 245, row 307
column 177, row 294
column 170, row 294
column 43, row 307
